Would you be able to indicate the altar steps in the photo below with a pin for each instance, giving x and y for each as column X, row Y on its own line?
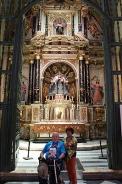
column 30, row 177
column 47, row 139
column 33, row 177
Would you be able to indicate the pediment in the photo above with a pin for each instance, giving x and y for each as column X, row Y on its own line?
column 77, row 40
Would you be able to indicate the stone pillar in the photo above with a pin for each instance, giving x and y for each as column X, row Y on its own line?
column 72, row 113
column 46, row 113
column 51, row 113
column 68, row 113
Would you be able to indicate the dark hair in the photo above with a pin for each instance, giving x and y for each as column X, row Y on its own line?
column 70, row 129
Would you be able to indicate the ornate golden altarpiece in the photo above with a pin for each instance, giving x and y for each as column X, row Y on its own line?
column 90, row 125
column 59, row 46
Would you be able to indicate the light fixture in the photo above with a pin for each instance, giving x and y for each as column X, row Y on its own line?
column 87, row 62
column 37, row 56
column 31, row 61
column 81, row 58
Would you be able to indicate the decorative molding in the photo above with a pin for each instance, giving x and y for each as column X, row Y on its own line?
column 64, row 15
column 59, row 56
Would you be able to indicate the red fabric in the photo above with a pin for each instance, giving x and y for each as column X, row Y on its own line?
column 71, row 168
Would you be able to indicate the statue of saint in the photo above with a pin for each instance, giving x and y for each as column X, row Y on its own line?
column 58, row 85
column 59, row 29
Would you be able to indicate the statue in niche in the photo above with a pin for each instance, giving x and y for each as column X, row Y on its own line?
column 59, row 85
column 72, row 90
column 59, row 25
column 59, row 29
column 59, row 115
column 97, row 93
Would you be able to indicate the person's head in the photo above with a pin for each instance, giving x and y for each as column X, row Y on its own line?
column 55, row 136
column 69, row 131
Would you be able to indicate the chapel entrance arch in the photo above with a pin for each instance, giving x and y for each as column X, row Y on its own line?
column 8, row 160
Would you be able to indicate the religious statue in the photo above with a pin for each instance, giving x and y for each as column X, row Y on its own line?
column 58, row 85
column 23, row 91
column 59, row 115
column 59, row 29
column 97, row 93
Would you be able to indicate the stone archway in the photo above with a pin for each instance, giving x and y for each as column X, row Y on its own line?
column 6, row 162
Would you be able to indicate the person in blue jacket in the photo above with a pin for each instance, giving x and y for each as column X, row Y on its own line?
column 53, row 150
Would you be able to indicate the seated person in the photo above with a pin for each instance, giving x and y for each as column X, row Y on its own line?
column 54, row 151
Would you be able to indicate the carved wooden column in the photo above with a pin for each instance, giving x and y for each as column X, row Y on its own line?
column 73, row 25
column 82, row 79
column 46, row 26
column 41, row 88
column 77, row 107
column 36, row 79
column 30, row 91
column 87, row 83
